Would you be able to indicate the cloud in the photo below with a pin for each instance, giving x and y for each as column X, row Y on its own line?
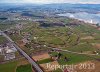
column 51, row 1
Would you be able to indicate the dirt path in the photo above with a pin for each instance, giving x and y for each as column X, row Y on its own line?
column 41, row 57
column 87, row 37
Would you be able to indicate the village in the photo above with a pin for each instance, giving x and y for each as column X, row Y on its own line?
column 8, row 51
column 37, row 39
column 37, row 43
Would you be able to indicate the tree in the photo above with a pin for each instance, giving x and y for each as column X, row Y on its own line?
column 65, row 58
column 59, row 55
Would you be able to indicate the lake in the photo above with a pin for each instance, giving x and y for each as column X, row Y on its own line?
column 87, row 17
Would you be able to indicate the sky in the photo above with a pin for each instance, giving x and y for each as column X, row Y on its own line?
column 51, row 1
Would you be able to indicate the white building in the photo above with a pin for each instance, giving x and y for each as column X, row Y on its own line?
column 8, row 51
column 9, row 56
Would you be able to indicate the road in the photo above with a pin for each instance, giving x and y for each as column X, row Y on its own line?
column 31, row 61
column 57, row 49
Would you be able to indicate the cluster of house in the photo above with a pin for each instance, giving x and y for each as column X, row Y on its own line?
column 15, row 30
column 26, row 37
column 8, row 51
column 20, row 18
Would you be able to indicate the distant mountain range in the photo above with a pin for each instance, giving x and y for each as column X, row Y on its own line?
column 94, row 8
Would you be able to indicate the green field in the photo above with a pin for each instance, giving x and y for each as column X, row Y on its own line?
column 59, row 37
column 82, row 48
column 2, row 39
column 72, row 58
column 10, row 66
column 5, row 26
column 24, row 68
column 45, row 61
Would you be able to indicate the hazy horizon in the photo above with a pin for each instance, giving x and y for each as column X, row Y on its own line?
column 52, row 1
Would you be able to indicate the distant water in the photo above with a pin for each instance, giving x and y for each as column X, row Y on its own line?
column 87, row 17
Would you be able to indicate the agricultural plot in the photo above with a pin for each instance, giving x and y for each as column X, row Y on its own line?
column 2, row 40
column 77, row 38
column 24, row 68
column 73, row 58
column 12, row 65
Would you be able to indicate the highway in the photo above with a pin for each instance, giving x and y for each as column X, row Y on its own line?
column 31, row 61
